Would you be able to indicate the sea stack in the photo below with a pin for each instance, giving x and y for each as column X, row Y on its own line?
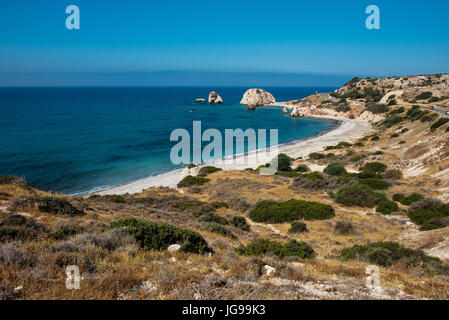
column 257, row 97
column 214, row 98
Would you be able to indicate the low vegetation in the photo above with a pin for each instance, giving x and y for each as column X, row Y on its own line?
column 298, row 227
column 407, row 200
column 293, row 248
column 335, row 169
column 189, row 181
column 386, row 254
column 359, row 195
column 291, row 210
column 429, row 214
column 387, row 207
column 159, row 235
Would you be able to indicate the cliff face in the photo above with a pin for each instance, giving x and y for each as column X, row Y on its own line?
column 257, row 97
column 425, row 88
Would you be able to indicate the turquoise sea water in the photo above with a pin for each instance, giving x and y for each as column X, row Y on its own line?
column 75, row 140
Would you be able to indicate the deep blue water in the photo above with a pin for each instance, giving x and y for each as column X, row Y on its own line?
column 78, row 139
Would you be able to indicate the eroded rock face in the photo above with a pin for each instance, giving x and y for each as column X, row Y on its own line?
column 214, row 98
column 257, row 97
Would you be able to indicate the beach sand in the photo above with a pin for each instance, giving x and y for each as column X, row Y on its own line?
column 348, row 130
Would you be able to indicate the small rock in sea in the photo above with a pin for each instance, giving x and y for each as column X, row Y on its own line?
column 214, row 98
column 174, row 248
column 269, row 270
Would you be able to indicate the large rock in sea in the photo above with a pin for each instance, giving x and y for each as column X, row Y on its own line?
column 214, row 98
column 257, row 97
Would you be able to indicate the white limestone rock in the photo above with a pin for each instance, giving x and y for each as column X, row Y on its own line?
column 257, row 97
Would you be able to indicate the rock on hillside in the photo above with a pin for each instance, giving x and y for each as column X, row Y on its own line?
column 257, row 97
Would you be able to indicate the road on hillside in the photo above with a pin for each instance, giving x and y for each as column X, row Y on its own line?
column 442, row 112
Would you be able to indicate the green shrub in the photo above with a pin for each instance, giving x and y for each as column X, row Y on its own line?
column 291, row 210
column 19, row 228
column 213, row 217
column 359, row 144
column 240, row 223
column 289, row 174
column 65, row 231
column 56, row 206
column 386, row 254
column 340, row 145
column 204, row 171
column 439, row 123
column 293, row 248
column 343, row 228
column 219, row 204
column 359, row 195
column 407, row 200
column 394, row 135
column 192, row 181
column 219, row 229
column 424, row 96
column 378, row 153
column 389, row 122
column 284, row 162
column 387, row 207
column 298, row 227
column 316, row 156
column 428, row 214
column 335, row 169
column 375, row 138
column 357, row 158
column 375, row 184
column 302, row 168
column 115, row 198
column 378, row 108
column 376, row 167
column 159, row 236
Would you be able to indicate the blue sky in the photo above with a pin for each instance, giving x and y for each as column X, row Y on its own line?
column 184, row 42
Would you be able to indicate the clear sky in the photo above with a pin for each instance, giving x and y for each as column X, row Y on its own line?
column 202, row 42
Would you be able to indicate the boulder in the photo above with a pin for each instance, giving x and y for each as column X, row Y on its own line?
column 192, row 171
column 269, row 270
column 257, row 97
column 174, row 248
column 214, row 98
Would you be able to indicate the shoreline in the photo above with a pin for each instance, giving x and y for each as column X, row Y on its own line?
column 347, row 130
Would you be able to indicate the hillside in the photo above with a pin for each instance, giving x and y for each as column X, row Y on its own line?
column 379, row 200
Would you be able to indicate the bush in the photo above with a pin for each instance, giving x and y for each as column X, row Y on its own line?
column 387, row 207
column 57, row 206
column 291, row 210
column 289, row 174
column 218, row 228
column 340, row 145
column 439, row 123
column 316, row 156
column 13, row 180
column 407, row 200
column 115, row 198
column 378, row 108
column 298, row 227
column 386, row 254
column 302, row 168
column 375, row 184
column 343, row 228
column 293, row 248
column 204, row 171
column 378, row 153
column 191, row 166
column 335, row 169
column 359, row 195
column 356, row 158
column 19, row 228
column 284, row 162
column 394, row 135
column 66, row 231
column 393, row 174
column 428, row 214
column 159, row 236
column 375, row 138
column 214, row 218
column 424, row 96
column 240, row 223
column 372, row 170
column 389, row 122
column 192, row 181
column 219, row 204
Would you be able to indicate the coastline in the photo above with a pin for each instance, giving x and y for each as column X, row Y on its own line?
column 347, row 130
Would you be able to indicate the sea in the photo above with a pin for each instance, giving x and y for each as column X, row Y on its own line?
column 75, row 140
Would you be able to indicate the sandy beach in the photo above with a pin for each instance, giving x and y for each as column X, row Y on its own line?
column 348, row 130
